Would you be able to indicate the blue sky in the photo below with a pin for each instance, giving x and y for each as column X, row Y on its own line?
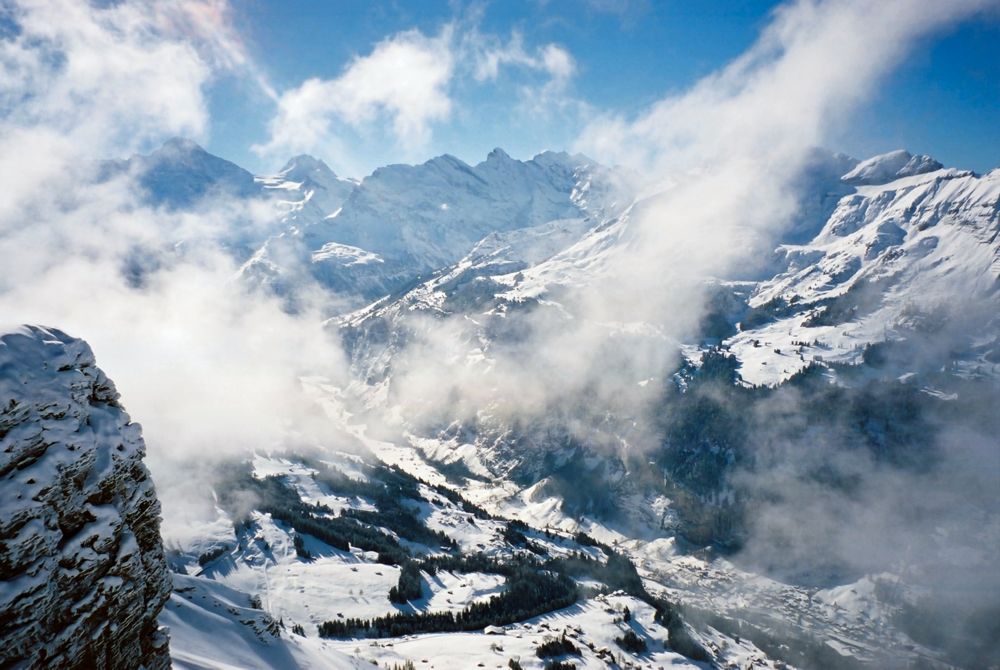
column 623, row 57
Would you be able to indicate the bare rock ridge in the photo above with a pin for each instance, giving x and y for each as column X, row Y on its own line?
column 83, row 575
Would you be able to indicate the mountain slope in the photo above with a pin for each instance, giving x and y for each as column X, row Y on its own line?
column 215, row 627
column 469, row 579
column 864, row 263
column 915, row 259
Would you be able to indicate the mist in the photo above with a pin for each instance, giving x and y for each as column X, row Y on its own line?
column 211, row 369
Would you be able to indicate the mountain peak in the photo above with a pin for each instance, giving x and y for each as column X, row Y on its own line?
column 498, row 154
column 919, row 165
column 179, row 145
column 304, row 166
column 887, row 167
column 181, row 171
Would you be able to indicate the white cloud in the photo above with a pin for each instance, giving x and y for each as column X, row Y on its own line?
column 404, row 80
column 405, row 86
column 556, row 66
column 490, row 53
column 99, row 73
column 813, row 64
column 558, row 62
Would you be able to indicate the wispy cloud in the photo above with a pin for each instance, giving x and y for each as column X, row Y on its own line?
column 491, row 53
column 208, row 26
column 405, row 87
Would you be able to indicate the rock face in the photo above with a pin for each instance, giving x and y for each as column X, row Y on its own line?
column 82, row 569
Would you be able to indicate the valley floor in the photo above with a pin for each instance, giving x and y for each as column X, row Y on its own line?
column 257, row 603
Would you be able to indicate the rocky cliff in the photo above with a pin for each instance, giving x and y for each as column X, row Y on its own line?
column 82, row 569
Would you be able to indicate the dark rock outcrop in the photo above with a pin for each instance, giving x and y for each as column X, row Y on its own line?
column 82, row 569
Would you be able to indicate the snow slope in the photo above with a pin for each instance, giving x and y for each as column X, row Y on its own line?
column 213, row 627
column 243, row 607
column 916, row 255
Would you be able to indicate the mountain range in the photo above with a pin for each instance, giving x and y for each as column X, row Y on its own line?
column 690, row 493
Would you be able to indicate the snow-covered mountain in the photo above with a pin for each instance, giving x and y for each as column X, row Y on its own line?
column 891, row 258
column 876, row 323
column 912, row 255
column 181, row 176
column 367, row 239
column 892, row 281
column 874, row 244
column 307, row 190
column 893, row 245
column 888, row 167
column 405, row 221
column 432, row 214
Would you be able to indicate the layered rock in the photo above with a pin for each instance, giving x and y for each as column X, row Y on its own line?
column 83, row 575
